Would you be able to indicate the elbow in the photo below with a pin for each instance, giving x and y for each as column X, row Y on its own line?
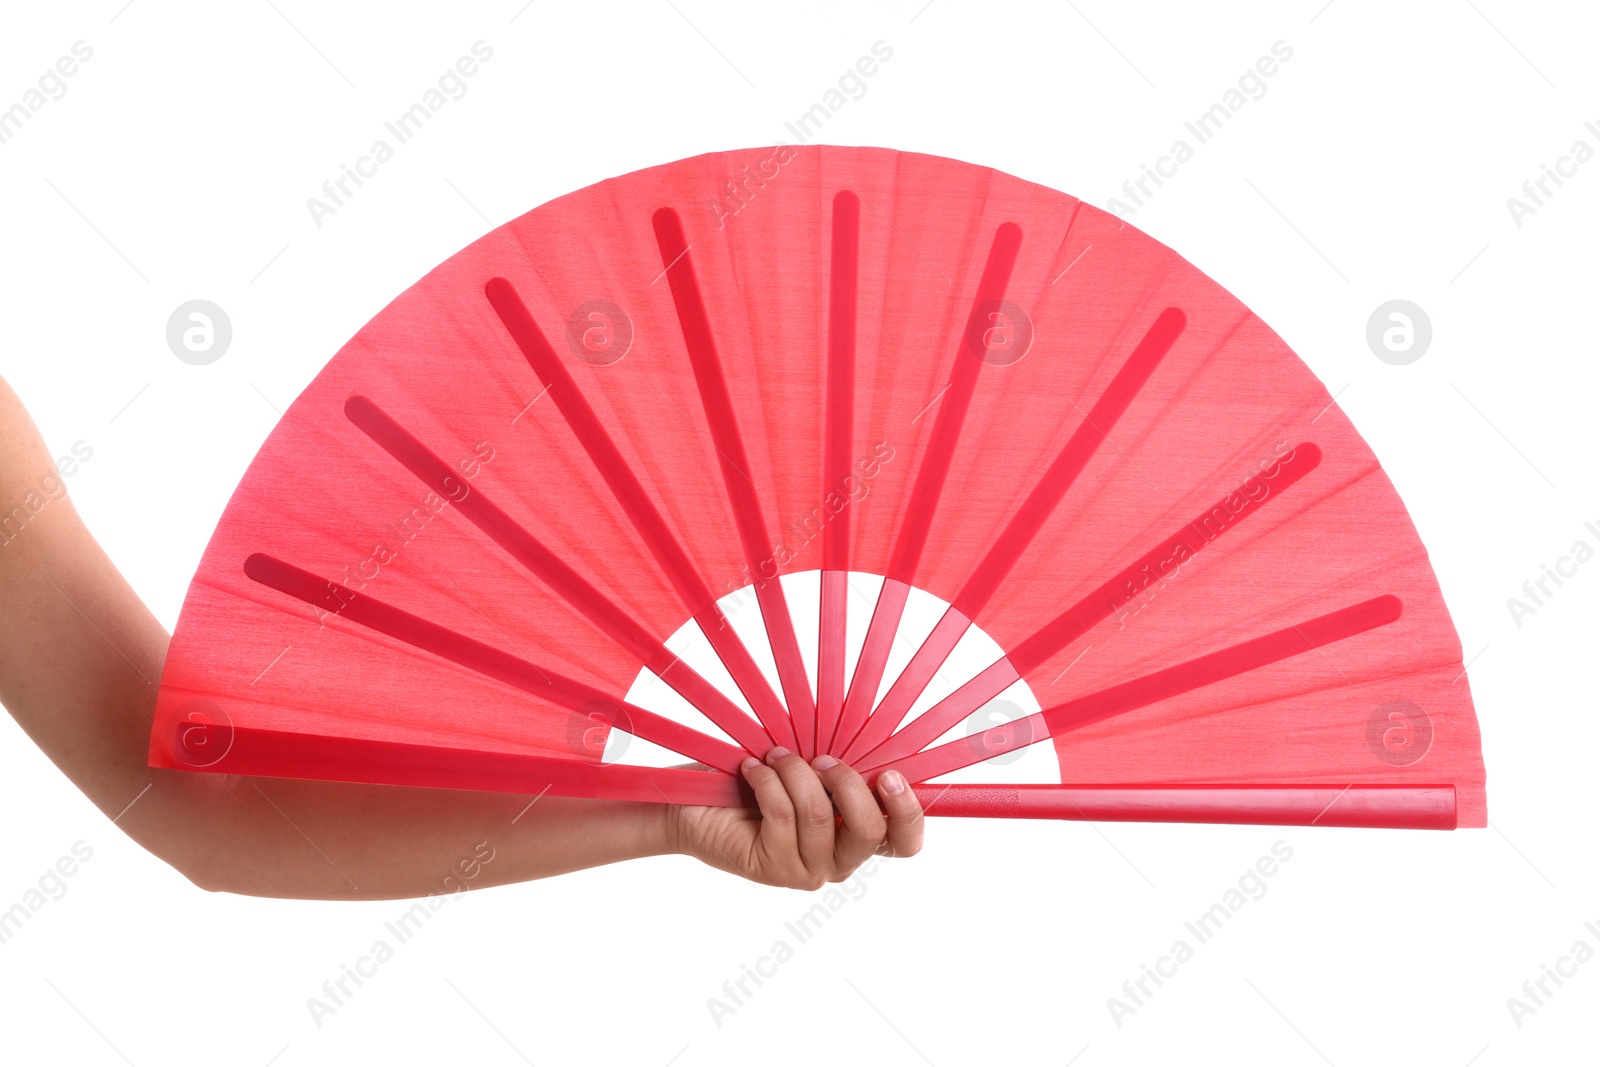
column 190, row 822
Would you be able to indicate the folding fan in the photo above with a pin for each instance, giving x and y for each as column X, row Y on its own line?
column 848, row 450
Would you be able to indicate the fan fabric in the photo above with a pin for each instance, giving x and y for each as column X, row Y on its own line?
column 461, row 544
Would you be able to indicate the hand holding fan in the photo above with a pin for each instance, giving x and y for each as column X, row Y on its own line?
column 902, row 437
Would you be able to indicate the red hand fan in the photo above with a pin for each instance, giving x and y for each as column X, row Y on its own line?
column 849, row 450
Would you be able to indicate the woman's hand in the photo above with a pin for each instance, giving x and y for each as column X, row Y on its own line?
column 795, row 840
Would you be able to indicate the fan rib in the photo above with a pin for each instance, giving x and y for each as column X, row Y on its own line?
column 1073, row 458
column 555, row 573
column 838, row 430
column 1024, row 526
column 630, row 494
column 1400, row 807
column 282, row 753
column 929, row 485
column 798, row 729
column 1185, row 677
column 1098, row 605
column 491, row 662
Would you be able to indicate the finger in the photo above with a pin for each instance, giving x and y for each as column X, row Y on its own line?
column 777, row 811
column 864, row 825
column 813, row 811
column 904, row 811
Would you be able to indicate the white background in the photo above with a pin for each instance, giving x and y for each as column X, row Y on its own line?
column 1377, row 166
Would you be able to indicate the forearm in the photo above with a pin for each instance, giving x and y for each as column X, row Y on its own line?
column 80, row 661
column 280, row 837
column 331, row 840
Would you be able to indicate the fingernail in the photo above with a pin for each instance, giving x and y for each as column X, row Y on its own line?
column 777, row 753
column 824, row 763
column 749, row 762
column 893, row 782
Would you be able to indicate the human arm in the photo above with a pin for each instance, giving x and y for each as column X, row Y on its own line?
column 80, row 661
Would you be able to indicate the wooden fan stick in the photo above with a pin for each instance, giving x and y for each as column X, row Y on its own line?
column 1077, row 620
column 549, row 568
column 953, row 402
column 1162, row 685
column 491, row 662
column 725, row 435
column 838, row 430
column 636, row 504
column 1020, row 531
